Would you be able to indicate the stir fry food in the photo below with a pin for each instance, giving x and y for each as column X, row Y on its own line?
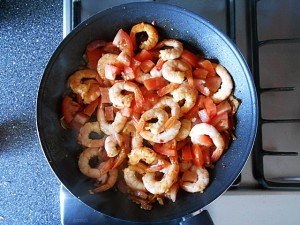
column 152, row 117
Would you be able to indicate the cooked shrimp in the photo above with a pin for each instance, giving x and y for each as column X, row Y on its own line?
column 151, row 33
column 145, row 154
column 111, row 179
column 168, row 102
column 176, row 70
column 136, row 140
column 85, row 167
column 84, row 135
column 213, row 133
column 141, row 76
column 187, row 94
column 170, row 53
column 131, row 179
column 121, row 100
column 184, row 130
column 163, row 185
column 111, row 144
column 200, row 184
column 154, row 113
column 226, row 85
column 163, row 137
column 89, row 91
column 107, row 59
column 111, row 128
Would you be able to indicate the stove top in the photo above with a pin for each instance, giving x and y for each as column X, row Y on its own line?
column 267, row 33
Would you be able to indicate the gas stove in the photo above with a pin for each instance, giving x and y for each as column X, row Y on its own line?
column 267, row 32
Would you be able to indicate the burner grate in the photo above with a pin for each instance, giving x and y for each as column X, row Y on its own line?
column 259, row 153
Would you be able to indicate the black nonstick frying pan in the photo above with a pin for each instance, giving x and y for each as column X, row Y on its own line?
column 60, row 146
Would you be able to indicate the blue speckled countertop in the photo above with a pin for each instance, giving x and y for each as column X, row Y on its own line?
column 29, row 33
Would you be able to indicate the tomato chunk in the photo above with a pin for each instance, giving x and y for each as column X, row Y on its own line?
column 186, row 152
column 190, row 57
column 198, row 159
column 69, row 108
column 168, row 148
column 123, row 41
column 155, row 83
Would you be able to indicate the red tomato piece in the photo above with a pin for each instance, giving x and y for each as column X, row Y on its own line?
column 206, row 64
column 221, row 121
column 206, row 155
column 186, row 152
column 198, row 159
column 213, row 83
column 90, row 108
column 223, row 106
column 109, row 113
column 104, row 95
column 79, row 120
column 69, row 108
column 210, row 107
column 147, row 65
column 168, row 148
column 155, row 83
column 129, row 73
column 190, row 57
column 93, row 57
column 200, row 86
column 143, row 56
column 125, row 57
column 200, row 73
column 123, row 41
column 205, row 141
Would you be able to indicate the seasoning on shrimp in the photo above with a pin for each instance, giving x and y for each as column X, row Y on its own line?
column 162, row 116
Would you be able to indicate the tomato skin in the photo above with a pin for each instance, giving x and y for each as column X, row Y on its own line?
column 168, row 148
column 213, row 83
column 93, row 57
column 155, row 83
column 221, row 121
column 123, row 41
column 199, row 84
column 144, row 55
column 69, row 108
column 190, row 57
column 90, row 108
column 198, row 159
column 147, row 65
column 206, row 64
column 186, row 152
column 200, row 73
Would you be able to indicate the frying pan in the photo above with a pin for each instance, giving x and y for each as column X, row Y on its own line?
column 60, row 147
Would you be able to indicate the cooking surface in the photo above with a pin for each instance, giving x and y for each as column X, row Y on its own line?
column 29, row 192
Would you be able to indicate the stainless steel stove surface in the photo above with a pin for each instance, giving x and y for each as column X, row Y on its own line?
column 268, row 34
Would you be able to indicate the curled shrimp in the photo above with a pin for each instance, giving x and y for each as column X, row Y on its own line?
column 170, row 53
column 176, row 70
column 89, row 91
column 226, row 85
column 108, row 181
column 85, row 167
column 168, row 102
column 131, row 179
column 111, row 128
column 184, row 130
column 121, row 100
column 85, row 132
column 187, row 94
column 161, row 186
column 151, row 33
column 163, row 137
column 107, row 59
column 113, row 144
column 213, row 133
column 154, row 113
column 142, row 154
column 200, row 184
column 136, row 140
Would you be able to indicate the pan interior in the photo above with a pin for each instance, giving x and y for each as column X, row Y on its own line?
column 60, row 145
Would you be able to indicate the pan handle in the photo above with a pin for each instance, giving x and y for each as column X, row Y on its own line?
column 200, row 217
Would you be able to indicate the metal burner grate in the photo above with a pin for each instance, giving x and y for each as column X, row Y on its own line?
column 259, row 152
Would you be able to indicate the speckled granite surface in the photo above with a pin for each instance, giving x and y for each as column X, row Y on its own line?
column 29, row 33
